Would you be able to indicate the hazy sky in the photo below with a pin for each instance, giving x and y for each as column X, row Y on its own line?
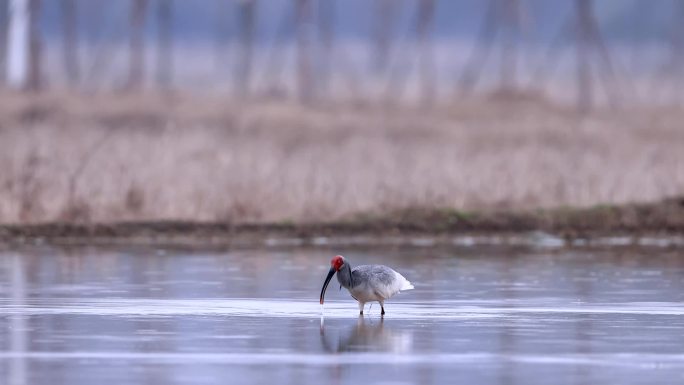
column 199, row 19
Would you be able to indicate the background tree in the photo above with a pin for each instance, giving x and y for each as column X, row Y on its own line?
column 165, row 43
column 4, row 28
column 69, row 16
column 136, row 66
column 304, row 15
column 247, row 30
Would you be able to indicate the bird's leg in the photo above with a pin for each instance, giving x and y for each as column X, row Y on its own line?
column 361, row 304
column 382, row 306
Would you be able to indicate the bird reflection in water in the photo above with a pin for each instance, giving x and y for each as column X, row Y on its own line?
column 366, row 336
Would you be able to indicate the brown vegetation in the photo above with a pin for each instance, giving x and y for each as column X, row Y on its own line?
column 112, row 158
column 663, row 220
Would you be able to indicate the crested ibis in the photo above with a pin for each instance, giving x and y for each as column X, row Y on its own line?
column 366, row 283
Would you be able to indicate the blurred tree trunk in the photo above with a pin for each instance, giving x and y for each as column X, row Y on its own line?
column 677, row 39
column 247, row 22
column 676, row 67
column 326, row 30
column 136, row 66
column 502, row 26
column 70, row 40
column 164, row 44
column 4, row 27
column 482, row 50
column 25, row 46
column 35, row 81
column 425, row 26
column 583, row 35
column 511, row 20
column 384, row 19
column 304, row 65
column 18, row 44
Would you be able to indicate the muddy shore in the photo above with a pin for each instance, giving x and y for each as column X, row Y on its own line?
column 628, row 224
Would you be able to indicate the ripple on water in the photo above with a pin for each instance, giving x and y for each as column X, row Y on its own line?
column 593, row 359
column 309, row 309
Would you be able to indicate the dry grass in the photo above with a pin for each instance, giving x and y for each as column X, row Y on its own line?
column 113, row 158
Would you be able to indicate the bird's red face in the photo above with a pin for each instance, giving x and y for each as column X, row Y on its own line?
column 337, row 262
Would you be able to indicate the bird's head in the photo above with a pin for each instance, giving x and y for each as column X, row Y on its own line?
column 337, row 262
column 335, row 265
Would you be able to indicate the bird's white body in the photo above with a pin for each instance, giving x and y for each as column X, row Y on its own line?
column 371, row 290
column 366, row 283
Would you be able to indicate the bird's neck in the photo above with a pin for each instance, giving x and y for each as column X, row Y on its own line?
column 344, row 276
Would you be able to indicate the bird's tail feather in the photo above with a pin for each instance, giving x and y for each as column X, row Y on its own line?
column 405, row 284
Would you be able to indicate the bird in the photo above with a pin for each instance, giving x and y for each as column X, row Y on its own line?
column 366, row 283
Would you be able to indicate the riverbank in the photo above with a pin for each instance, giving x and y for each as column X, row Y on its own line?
column 655, row 224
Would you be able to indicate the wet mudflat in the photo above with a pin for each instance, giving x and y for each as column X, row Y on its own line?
column 477, row 315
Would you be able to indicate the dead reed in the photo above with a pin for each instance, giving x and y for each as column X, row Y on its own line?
column 116, row 158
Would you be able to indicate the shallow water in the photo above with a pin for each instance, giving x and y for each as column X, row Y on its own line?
column 477, row 315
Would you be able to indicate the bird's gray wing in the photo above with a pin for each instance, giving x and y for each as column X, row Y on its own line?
column 379, row 278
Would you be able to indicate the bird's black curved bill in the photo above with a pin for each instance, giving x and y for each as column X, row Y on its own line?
column 327, row 281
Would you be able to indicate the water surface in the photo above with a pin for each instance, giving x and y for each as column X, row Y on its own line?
column 477, row 315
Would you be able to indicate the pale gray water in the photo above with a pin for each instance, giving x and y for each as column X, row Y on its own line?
column 478, row 315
